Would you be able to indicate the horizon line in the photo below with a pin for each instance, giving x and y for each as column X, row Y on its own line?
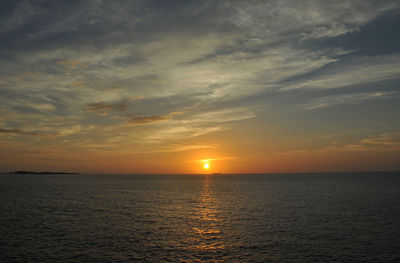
column 216, row 174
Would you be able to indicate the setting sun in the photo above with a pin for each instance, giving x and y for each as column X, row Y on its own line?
column 206, row 166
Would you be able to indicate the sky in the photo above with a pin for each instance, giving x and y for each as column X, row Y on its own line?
column 166, row 86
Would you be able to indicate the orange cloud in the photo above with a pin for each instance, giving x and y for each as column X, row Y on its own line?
column 105, row 107
column 71, row 65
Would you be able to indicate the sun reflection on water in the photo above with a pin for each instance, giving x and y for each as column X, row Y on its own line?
column 207, row 221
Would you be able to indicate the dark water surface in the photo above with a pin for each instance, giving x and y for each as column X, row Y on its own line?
column 190, row 218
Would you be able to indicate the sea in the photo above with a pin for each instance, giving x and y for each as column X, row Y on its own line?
column 317, row 217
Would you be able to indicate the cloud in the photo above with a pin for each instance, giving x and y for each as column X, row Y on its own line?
column 217, row 62
column 103, row 106
column 180, row 130
column 353, row 98
column 23, row 12
column 136, row 121
column 171, row 148
column 221, row 158
column 347, row 72
column 71, row 65
column 223, row 115
column 388, row 139
column 21, row 132
column 106, row 107
column 42, row 106
column 11, row 131
column 385, row 141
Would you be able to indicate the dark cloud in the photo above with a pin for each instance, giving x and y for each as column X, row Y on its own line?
column 21, row 132
column 106, row 107
column 11, row 131
column 32, row 26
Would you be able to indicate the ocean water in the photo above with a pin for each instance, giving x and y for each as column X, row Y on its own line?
column 200, row 218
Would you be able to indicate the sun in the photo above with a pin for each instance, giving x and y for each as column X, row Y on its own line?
column 206, row 166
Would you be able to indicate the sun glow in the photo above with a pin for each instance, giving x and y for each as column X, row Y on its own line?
column 206, row 166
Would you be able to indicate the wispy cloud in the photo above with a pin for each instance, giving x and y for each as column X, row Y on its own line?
column 223, row 115
column 221, row 158
column 171, row 148
column 105, row 107
column 21, row 132
column 384, row 141
column 135, row 121
column 71, row 65
column 216, row 63
column 347, row 72
column 353, row 98
column 389, row 139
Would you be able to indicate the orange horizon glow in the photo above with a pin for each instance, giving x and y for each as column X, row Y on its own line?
column 194, row 162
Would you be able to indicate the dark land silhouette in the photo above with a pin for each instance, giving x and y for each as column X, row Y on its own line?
column 44, row 172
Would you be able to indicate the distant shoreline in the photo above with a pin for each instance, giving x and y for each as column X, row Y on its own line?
column 45, row 172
